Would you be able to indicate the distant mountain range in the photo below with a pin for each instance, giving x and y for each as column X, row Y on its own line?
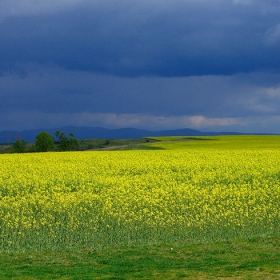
column 82, row 132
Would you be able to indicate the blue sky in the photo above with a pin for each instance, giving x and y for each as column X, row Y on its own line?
column 211, row 65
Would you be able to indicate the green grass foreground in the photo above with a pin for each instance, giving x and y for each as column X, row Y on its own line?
column 257, row 258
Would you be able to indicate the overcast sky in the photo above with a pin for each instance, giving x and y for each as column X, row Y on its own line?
column 211, row 65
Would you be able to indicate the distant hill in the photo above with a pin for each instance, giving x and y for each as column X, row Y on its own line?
column 83, row 132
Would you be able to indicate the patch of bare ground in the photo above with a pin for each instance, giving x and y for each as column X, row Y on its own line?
column 121, row 147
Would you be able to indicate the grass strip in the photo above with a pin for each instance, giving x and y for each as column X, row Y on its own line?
column 256, row 258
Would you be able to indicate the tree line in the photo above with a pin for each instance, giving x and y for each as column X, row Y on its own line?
column 44, row 142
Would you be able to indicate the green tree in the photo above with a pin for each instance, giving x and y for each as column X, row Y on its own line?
column 66, row 143
column 44, row 142
column 19, row 146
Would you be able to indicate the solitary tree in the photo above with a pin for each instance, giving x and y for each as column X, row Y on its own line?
column 19, row 146
column 44, row 142
column 66, row 143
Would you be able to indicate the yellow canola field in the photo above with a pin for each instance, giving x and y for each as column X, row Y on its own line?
column 97, row 199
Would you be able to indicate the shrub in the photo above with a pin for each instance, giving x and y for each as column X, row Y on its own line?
column 19, row 146
column 44, row 142
column 66, row 143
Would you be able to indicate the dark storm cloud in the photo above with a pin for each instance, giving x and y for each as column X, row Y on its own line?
column 132, row 38
column 205, row 64
column 52, row 97
column 56, row 90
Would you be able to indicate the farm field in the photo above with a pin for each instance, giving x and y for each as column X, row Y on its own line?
column 209, row 191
